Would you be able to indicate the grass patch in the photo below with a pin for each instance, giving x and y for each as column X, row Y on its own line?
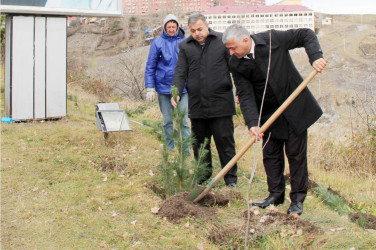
column 57, row 192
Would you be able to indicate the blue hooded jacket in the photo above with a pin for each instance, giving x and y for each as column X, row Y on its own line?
column 162, row 59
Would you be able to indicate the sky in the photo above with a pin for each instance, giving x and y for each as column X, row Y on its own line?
column 338, row 6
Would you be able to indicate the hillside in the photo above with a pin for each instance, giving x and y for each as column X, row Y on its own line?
column 64, row 187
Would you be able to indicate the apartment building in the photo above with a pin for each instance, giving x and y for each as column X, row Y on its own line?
column 142, row 7
column 260, row 18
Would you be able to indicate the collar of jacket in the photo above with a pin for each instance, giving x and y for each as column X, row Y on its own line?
column 258, row 40
column 211, row 33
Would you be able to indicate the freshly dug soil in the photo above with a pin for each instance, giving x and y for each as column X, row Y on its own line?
column 261, row 226
column 367, row 221
column 179, row 206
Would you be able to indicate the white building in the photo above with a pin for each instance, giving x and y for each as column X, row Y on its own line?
column 260, row 18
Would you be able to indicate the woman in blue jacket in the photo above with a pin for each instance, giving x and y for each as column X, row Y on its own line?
column 159, row 73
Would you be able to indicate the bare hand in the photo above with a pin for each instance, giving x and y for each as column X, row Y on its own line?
column 173, row 103
column 319, row 64
column 253, row 132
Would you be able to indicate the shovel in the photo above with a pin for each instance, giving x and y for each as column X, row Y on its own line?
column 199, row 192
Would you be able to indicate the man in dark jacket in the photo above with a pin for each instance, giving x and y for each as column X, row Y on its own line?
column 159, row 72
column 203, row 68
column 249, row 65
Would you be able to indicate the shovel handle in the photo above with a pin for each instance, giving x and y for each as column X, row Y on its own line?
column 264, row 127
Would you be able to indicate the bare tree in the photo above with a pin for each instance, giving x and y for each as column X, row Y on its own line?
column 133, row 68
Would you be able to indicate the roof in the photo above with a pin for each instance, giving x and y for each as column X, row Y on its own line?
column 230, row 9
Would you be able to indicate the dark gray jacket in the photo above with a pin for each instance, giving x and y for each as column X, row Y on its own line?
column 205, row 73
column 284, row 78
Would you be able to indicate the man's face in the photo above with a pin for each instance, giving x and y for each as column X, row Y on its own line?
column 171, row 28
column 199, row 31
column 239, row 48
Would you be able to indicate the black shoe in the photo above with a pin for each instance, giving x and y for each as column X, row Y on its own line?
column 231, row 185
column 296, row 207
column 271, row 200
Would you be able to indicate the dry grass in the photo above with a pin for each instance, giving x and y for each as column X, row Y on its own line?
column 54, row 194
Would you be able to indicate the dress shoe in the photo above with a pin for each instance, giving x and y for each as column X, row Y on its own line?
column 271, row 200
column 231, row 185
column 296, row 207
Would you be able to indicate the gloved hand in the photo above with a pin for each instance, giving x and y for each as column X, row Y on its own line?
column 150, row 94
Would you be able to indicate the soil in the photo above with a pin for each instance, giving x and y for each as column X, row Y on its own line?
column 261, row 226
column 179, row 206
column 367, row 221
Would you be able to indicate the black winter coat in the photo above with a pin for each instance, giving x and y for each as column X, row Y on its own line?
column 205, row 73
column 284, row 78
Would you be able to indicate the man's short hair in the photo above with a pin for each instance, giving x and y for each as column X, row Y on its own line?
column 192, row 19
column 235, row 31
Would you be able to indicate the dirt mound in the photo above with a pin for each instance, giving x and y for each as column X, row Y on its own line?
column 178, row 206
column 367, row 221
column 232, row 235
column 221, row 197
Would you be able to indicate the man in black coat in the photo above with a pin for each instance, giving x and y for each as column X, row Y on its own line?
column 202, row 67
column 250, row 67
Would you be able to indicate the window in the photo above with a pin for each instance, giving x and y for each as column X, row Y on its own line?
column 248, row 21
column 272, row 26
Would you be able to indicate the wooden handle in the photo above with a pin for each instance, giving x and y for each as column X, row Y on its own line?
column 264, row 127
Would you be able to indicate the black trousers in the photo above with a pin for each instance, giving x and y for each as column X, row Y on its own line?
column 274, row 162
column 222, row 130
